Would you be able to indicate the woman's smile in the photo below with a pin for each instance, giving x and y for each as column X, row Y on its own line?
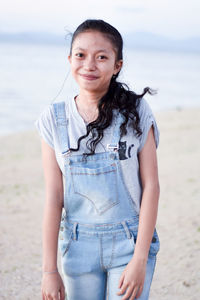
column 89, row 77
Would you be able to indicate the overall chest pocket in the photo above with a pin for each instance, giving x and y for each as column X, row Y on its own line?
column 96, row 184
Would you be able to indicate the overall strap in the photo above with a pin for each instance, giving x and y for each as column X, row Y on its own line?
column 114, row 145
column 61, row 123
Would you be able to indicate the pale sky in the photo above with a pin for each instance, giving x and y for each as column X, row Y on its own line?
column 176, row 19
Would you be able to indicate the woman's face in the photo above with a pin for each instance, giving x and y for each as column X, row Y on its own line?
column 93, row 61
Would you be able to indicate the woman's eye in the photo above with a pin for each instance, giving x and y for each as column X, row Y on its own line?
column 79, row 54
column 102, row 56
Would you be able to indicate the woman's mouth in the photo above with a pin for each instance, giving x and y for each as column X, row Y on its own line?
column 89, row 77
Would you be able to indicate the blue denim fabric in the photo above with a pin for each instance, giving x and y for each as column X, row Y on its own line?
column 99, row 227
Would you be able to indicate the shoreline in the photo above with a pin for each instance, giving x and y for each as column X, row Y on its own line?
column 22, row 195
column 156, row 112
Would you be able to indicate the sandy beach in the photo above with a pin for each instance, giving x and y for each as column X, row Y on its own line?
column 177, row 274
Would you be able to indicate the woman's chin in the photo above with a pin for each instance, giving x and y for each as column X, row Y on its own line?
column 90, row 88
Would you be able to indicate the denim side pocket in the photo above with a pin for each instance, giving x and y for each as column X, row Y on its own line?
column 65, row 239
column 132, row 240
column 155, row 244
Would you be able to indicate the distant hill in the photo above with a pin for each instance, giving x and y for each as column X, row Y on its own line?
column 33, row 38
column 148, row 41
column 135, row 40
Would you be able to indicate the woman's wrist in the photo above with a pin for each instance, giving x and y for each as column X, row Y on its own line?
column 140, row 256
column 50, row 271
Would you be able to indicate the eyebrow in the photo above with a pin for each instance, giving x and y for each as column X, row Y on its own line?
column 101, row 50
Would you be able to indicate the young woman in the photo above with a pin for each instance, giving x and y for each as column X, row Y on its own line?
column 100, row 169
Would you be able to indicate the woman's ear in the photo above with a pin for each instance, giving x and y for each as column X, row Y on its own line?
column 69, row 59
column 118, row 66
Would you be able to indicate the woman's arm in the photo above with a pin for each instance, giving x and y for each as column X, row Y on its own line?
column 52, row 208
column 150, row 197
column 132, row 279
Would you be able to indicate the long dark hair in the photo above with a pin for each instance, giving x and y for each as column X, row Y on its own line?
column 118, row 95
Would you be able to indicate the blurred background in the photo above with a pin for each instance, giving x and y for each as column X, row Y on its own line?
column 161, row 50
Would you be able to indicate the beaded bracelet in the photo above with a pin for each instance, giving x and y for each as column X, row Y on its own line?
column 50, row 272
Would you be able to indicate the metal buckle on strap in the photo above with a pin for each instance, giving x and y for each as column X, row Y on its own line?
column 115, row 147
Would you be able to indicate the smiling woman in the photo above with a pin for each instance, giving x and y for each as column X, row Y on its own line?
column 92, row 64
column 110, row 193
column 92, row 67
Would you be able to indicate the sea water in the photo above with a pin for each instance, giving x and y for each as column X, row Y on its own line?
column 33, row 76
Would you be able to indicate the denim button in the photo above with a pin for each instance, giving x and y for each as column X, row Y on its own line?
column 153, row 239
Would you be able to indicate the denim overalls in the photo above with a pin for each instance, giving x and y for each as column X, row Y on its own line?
column 98, row 230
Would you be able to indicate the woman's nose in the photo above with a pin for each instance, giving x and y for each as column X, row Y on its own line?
column 90, row 63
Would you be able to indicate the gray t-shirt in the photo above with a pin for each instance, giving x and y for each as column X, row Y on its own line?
column 130, row 145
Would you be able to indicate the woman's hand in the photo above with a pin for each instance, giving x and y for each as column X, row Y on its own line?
column 132, row 279
column 52, row 287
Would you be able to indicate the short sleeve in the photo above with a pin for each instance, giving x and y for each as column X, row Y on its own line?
column 43, row 124
column 147, row 119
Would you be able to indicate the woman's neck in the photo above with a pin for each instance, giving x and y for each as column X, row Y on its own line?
column 89, row 101
column 88, row 110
